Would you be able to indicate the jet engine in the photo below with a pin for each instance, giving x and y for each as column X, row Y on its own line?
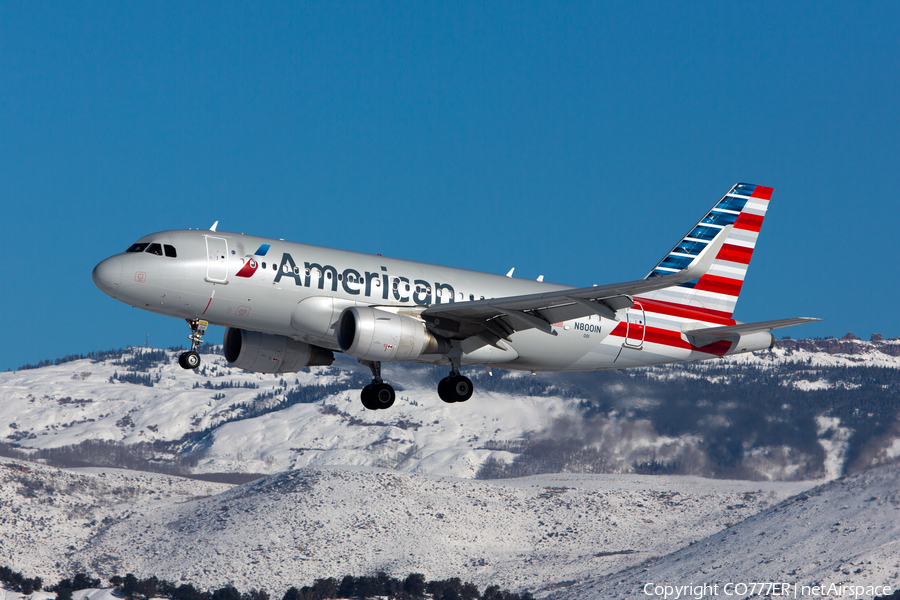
column 265, row 353
column 377, row 335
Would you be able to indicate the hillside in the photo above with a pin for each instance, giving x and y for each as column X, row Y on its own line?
column 287, row 529
column 842, row 533
column 807, row 409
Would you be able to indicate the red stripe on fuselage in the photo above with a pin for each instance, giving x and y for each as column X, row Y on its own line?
column 748, row 222
column 691, row 313
column 738, row 254
column 673, row 339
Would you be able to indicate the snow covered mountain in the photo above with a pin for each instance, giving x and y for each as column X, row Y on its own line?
column 562, row 536
column 836, row 540
column 351, row 491
column 287, row 529
column 807, row 409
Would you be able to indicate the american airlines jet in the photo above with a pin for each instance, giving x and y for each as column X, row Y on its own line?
column 287, row 306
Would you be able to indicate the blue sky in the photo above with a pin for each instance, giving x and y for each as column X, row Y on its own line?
column 575, row 140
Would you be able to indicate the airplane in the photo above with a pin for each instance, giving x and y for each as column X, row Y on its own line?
column 288, row 305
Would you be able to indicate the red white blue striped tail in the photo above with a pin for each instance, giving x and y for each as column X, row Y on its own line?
column 744, row 206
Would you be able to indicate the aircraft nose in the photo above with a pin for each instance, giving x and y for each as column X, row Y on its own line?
column 107, row 275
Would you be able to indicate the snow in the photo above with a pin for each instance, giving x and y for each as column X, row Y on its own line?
column 835, row 444
column 67, row 404
column 352, row 491
column 289, row 528
column 844, row 532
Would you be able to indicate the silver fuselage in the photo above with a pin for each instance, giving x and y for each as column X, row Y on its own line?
column 299, row 291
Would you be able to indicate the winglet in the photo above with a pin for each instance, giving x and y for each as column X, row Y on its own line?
column 704, row 260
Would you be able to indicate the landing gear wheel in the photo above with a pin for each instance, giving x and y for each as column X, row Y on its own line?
column 461, row 388
column 189, row 360
column 456, row 388
column 444, row 391
column 384, row 395
column 368, row 397
column 377, row 396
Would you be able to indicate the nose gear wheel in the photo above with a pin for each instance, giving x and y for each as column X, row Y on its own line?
column 191, row 358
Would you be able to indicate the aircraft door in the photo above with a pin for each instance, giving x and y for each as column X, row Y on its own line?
column 636, row 330
column 217, row 264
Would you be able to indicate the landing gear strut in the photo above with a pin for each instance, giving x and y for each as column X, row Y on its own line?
column 191, row 359
column 377, row 394
column 456, row 387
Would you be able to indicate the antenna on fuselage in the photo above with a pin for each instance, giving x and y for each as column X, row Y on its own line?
column 510, row 272
column 213, row 228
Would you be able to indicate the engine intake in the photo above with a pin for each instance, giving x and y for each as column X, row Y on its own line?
column 266, row 353
column 377, row 335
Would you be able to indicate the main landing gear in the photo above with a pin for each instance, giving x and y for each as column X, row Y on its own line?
column 456, row 387
column 191, row 359
column 378, row 394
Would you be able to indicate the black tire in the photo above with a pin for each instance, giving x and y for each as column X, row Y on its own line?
column 444, row 391
column 384, row 396
column 368, row 397
column 461, row 388
column 189, row 360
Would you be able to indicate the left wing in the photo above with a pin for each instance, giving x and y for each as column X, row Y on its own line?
column 496, row 319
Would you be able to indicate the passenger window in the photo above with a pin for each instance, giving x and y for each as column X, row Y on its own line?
column 170, row 251
column 138, row 247
column 155, row 249
column 264, row 265
column 471, row 297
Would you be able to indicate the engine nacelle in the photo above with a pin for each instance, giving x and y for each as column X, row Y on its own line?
column 378, row 335
column 265, row 353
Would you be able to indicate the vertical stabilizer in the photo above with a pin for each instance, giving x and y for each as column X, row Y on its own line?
column 744, row 207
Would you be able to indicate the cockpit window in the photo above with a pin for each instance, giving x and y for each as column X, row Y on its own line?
column 170, row 251
column 138, row 247
column 155, row 249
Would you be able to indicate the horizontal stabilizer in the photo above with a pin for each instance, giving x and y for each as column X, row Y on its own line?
column 707, row 335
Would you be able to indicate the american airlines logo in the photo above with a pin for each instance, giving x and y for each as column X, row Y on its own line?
column 356, row 283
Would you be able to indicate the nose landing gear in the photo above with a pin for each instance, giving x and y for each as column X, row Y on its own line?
column 378, row 394
column 191, row 358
